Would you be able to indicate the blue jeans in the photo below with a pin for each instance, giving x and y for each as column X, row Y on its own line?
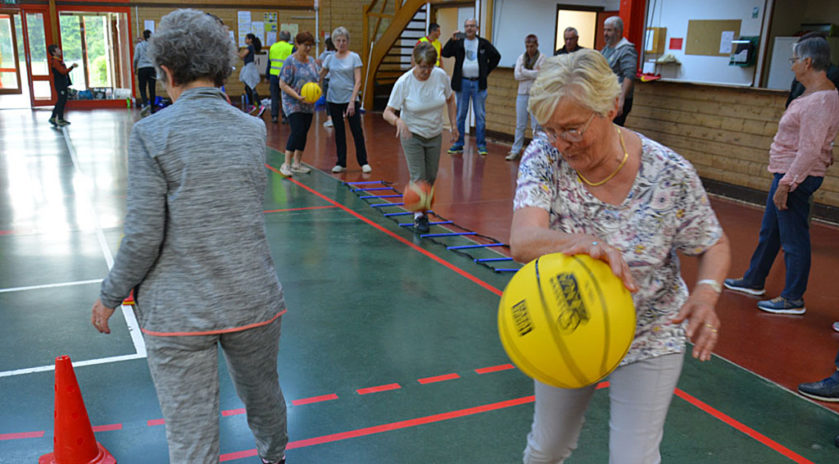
column 469, row 89
column 789, row 229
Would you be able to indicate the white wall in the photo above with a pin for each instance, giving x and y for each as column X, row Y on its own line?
column 513, row 20
column 675, row 14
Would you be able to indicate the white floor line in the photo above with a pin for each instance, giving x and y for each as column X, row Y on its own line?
column 127, row 311
column 90, row 362
column 38, row 287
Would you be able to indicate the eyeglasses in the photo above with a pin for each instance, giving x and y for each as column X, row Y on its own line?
column 570, row 135
column 794, row 59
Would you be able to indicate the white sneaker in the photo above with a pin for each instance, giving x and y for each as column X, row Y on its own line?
column 512, row 155
column 285, row 170
column 300, row 169
column 338, row 168
column 328, row 123
column 366, row 168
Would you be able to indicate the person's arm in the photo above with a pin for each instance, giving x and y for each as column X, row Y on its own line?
column 243, row 52
column 390, row 116
column 523, row 74
column 493, row 57
column 136, row 56
column 59, row 66
column 628, row 67
column 355, row 89
column 451, row 105
column 287, row 74
column 449, row 49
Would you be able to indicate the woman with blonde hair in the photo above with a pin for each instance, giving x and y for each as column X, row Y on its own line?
column 587, row 186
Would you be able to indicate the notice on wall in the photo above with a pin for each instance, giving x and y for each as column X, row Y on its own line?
column 258, row 29
column 725, row 41
column 676, row 43
column 270, row 38
column 270, row 20
column 290, row 28
column 148, row 25
column 244, row 23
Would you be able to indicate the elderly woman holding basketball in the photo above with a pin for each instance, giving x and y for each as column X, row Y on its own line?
column 587, row 186
column 299, row 69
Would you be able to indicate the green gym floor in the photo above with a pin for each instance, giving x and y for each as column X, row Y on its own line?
column 389, row 352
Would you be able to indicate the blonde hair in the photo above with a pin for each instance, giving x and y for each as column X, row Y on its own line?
column 583, row 75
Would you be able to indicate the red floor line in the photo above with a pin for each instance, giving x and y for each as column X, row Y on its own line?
column 298, row 209
column 153, row 422
column 233, row 412
column 491, row 369
column 759, row 437
column 106, row 428
column 315, row 399
column 394, row 235
column 438, row 378
column 380, row 388
column 18, row 436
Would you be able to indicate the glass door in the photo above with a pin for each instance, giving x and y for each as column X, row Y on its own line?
column 9, row 59
column 36, row 34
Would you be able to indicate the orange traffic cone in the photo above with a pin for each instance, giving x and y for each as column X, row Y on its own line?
column 73, row 440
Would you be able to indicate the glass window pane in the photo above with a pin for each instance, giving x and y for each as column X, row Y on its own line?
column 43, row 90
column 37, row 44
column 98, row 50
column 8, row 69
column 71, row 46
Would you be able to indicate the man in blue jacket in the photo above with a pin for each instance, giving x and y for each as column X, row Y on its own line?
column 475, row 58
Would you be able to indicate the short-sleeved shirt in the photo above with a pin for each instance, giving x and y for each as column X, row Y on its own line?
column 341, row 76
column 295, row 73
column 323, row 56
column 249, row 57
column 470, row 59
column 666, row 211
column 421, row 102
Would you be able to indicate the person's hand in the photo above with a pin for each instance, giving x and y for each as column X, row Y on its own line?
column 100, row 315
column 456, row 35
column 780, row 197
column 300, row 98
column 350, row 110
column 703, row 323
column 402, row 130
column 582, row 244
column 455, row 133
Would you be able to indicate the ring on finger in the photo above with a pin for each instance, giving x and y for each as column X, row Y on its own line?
column 711, row 326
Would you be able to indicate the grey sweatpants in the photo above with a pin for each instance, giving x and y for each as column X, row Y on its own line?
column 639, row 396
column 423, row 156
column 185, row 374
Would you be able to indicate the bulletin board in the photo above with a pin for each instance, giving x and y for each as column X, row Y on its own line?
column 704, row 36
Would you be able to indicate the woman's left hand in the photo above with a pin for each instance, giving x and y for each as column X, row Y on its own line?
column 350, row 110
column 780, row 197
column 703, row 323
column 100, row 315
column 402, row 130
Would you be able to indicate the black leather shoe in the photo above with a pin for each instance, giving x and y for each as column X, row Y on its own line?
column 823, row 390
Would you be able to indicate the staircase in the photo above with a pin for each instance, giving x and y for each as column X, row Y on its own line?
column 397, row 60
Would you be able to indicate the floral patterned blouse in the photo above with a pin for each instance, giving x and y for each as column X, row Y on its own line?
column 666, row 211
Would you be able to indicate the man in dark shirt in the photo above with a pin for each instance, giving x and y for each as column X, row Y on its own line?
column 571, row 37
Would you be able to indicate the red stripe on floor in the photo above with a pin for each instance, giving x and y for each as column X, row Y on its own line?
column 107, row 428
column 233, row 412
column 237, row 455
column 380, row 388
column 18, row 436
column 394, row 235
column 489, row 370
column 438, row 378
column 315, row 399
column 795, row 457
column 297, row 209
column 154, row 422
column 6, row 232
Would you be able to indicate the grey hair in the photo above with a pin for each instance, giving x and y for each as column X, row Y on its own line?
column 817, row 49
column 425, row 54
column 614, row 21
column 341, row 31
column 470, row 19
column 285, row 36
column 584, row 76
column 192, row 45
column 571, row 29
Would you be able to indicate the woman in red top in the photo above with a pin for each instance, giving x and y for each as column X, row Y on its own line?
column 61, row 80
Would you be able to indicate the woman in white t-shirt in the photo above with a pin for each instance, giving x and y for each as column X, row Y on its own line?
column 420, row 96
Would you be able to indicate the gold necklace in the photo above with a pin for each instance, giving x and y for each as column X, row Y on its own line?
column 609, row 177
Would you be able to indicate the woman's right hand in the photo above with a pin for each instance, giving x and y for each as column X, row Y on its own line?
column 582, row 244
column 402, row 130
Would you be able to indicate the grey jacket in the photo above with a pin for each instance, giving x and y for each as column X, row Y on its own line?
column 195, row 244
column 141, row 58
column 623, row 59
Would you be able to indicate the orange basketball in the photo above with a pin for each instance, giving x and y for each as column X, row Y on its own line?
column 418, row 196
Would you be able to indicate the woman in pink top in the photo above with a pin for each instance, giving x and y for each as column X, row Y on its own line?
column 798, row 158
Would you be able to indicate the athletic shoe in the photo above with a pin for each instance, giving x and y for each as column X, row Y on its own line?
column 328, row 123
column 366, row 169
column 421, row 224
column 781, row 305
column 261, row 110
column 512, row 155
column 482, row 151
column 253, row 109
column 338, row 168
column 456, row 150
column 145, row 110
column 53, row 122
column 285, row 170
column 281, row 461
column 299, row 168
column 823, row 390
column 63, row 122
column 740, row 285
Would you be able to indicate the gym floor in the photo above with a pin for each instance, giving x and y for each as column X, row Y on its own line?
column 389, row 352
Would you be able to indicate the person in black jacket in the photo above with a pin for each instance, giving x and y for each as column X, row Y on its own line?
column 475, row 58
column 61, row 81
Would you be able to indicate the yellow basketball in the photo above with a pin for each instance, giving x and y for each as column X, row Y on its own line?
column 566, row 321
column 310, row 92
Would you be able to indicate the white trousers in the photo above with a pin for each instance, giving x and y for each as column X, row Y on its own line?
column 521, row 122
column 639, row 395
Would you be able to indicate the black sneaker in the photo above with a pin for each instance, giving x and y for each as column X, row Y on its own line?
column 823, row 390
column 781, row 305
column 53, row 122
column 740, row 285
column 421, row 224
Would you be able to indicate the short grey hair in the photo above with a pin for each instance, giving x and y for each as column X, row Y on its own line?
column 285, row 36
column 425, row 54
column 193, row 46
column 817, row 49
column 341, row 31
column 615, row 21
column 471, row 19
column 571, row 29
column 583, row 75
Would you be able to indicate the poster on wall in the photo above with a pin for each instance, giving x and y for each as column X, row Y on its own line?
column 258, row 29
column 290, row 28
column 270, row 20
column 244, row 23
column 270, row 38
column 149, row 25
